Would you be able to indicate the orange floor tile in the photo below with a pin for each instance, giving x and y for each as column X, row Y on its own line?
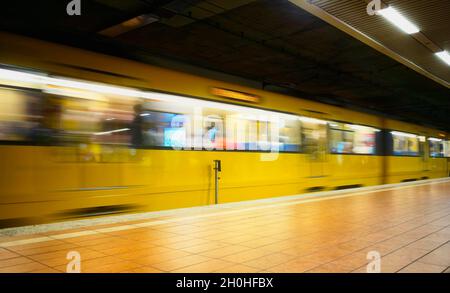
column 409, row 227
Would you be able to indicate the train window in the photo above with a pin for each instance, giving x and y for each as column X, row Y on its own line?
column 116, row 121
column 352, row 139
column 104, row 121
column 313, row 135
column 251, row 130
column 228, row 129
column 248, row 131
column 446, row 145
column 163, row 125
column 436, row 147
column 213, row 132
column 174, row 134
column 341, row 141
column 281, row 133
column 405, row 144
column 161, row 129
column 364, row 142
column 49, row 118
column 289, row 135
column 264, row 135
column 97, row 116
column 19, row 114
column 101, row 126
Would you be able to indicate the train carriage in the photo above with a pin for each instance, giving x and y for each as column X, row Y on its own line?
column 134, row 137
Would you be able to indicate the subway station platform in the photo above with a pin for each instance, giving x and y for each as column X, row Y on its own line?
column 408, row 224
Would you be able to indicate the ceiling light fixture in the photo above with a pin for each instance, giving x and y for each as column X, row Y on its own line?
column 393, row 16
column 444, row 56
column 311, row 120
column 362, row 128
column 398, row 133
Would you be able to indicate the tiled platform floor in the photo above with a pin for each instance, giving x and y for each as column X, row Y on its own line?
column 408, row 226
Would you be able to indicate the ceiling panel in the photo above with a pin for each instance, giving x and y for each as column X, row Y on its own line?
column 270, row 44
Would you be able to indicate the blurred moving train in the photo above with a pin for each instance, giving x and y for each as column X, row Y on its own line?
column 84, row 134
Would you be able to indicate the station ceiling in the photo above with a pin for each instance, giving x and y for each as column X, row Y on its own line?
column 272, row 44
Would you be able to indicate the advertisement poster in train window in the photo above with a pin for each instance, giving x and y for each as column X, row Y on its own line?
column 364, row 142
column 405, row 146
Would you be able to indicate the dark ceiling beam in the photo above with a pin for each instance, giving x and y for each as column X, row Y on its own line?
column 138, row 19
column 129, row 25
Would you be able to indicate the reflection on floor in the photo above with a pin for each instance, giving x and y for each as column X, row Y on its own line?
column 409, row 227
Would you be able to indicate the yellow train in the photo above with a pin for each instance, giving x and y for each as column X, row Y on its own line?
column 85, row 134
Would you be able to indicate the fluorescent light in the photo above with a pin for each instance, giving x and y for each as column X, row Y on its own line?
column 434, row 139
column 312, row 120
column 67, row 85
column 444, row 56
column 76, row 93
column 398, row 20
column 18, row 76
column 363, row 128
column 180, row 100
column 112, row 131
column 398, row 133
column 95, row 87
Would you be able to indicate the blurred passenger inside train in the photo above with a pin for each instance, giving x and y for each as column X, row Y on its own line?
column 211, row 132
column 45, row 129
column 136, row 127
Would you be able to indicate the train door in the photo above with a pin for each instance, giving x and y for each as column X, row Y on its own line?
column 424, row 154
column 97, row 131
column 314, row 135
